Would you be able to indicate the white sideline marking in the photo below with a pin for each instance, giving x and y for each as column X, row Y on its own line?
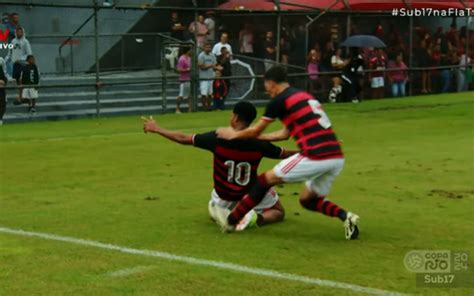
column 197, row 261
column 129, row 271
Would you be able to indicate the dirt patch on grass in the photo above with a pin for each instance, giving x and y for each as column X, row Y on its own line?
column 454, row 194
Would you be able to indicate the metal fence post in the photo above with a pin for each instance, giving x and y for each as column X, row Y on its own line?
column 163, row 79
column 122, row 53
column 97, row 66
column 410, row 60
column 71, row 54
column 195, row 72
column 278, row 33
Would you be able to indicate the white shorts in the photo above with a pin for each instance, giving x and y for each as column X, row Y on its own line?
column 270, row 199
column 206, row 87
column 377, row 82
column 184, row 89
column 318, row 174
column 29, row 93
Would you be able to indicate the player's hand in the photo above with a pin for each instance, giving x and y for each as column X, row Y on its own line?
column 226, row 133
column 149, row 124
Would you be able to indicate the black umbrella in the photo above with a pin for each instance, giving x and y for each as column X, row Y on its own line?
column 363, row 41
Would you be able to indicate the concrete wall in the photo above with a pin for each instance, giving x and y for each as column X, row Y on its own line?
column 63, row 21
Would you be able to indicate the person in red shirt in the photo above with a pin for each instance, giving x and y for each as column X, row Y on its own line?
column 398, row 78
column 377, row 82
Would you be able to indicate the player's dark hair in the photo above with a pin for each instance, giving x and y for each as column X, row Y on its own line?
column 277, row 74
column 30, row 56
column 245, row 111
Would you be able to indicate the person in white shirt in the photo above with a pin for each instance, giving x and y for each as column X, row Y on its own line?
column 216, row 50
column 21, row 48
column 461, row 75
column 246, row 40
column 211, row 26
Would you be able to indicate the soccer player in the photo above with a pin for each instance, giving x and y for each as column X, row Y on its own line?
column 235, row 166
column 318, row 163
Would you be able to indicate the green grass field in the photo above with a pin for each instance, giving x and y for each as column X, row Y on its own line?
column 408, row 174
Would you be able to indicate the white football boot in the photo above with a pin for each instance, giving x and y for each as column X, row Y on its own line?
column 351, row 226
column 220, row 215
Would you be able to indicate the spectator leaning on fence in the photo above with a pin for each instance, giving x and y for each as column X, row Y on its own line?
column 220, row 91
column 313, row 71
column 398, row 78
column 17, row 55
column 462, row 72
column 3, row 83
column 224, row 66
column 184, row 70
column 224, row 42
column 207, row 64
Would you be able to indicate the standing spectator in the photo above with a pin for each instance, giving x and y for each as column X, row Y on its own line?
column 464, row 62
column 211, row 26
column 3, row 83
column 337, row 64
column 447, row 59
column 176, row 27
column 284, row 51
column 246, row 40
column 184, row 70
column 199, row 28
column 398, row 78
column 224, row 42
column 377, row 83
column 12, row 24
column 424, row 60
column 224, row 66
column 269, row 52
column 313, row 70
column 29, row 76
column 220, row 91
column 17, row 55
column 207, row 65
column 350, row 77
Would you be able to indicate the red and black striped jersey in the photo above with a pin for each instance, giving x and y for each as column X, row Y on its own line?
column 235, row 162
column 307, row 122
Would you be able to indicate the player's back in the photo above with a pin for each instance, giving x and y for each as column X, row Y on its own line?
column 307, row 122
column 235, row 162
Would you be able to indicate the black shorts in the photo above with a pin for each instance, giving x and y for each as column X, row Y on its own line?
column 16, row 73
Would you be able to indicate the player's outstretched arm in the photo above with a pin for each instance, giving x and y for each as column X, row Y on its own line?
column 150, row 126
column 252, row 132
column 280, row 135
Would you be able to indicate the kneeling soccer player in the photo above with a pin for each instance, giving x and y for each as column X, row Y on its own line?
column 235, row 167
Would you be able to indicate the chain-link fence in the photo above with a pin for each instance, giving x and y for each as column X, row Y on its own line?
column 96, row 73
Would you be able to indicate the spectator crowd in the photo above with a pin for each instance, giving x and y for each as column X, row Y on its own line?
column 439, row 59
column 18, row 66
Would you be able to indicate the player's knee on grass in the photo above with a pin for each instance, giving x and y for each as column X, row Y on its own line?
column 272, row 215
